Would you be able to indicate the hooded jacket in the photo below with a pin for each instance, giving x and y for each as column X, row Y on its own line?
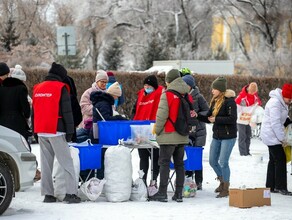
column 164, row 129
column 276, row 113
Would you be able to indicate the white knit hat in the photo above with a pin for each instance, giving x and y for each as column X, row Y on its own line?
column 114, row 89
column 101, row 75
column 18, row 73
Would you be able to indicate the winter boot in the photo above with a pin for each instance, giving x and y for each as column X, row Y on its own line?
column 177, row 197
column 225, row 190
column 50, row 199
column 71, row 198
column 199, row 186
column 159, row 196
column 220, row 187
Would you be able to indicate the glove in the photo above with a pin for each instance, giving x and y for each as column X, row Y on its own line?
column 69, row 137
column 287, row 122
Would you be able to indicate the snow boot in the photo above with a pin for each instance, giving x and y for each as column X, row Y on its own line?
column 50, row 199
column 225, row 190
column 71, row 198
column 220, row 187
column 159, row 196
column 177, row 197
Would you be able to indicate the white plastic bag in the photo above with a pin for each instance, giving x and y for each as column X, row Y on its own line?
column 118, row 173
column 91, row 189
column 58, row 174
column 139, row 189
column 190, row 188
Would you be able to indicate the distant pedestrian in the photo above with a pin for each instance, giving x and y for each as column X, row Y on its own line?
column 246, row 101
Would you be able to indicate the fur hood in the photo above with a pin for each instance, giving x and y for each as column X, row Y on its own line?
column 230, row 93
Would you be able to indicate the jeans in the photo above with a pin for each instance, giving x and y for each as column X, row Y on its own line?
column 220, row 151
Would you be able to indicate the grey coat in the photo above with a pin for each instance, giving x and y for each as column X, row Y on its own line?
column 201, row 106
column 164, row 138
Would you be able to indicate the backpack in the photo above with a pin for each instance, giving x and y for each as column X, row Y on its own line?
column 186, row 118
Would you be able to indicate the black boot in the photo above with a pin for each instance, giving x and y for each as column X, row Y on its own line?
column 159, row 196
column 177, row 197
column 50, row 199
column 71, row 198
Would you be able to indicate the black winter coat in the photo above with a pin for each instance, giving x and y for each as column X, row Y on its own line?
column 103, row 102
column 224, row 126
column 201, row 107
column 14, row 106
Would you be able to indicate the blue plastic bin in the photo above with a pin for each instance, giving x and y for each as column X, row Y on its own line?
column 109, row 132
column 194, row 158
column 90, row 156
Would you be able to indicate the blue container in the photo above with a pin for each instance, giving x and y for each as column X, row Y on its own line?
column 109, row 132
column 194, row 158
column 90, row 156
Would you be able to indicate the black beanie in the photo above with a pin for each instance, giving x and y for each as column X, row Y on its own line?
column 59, row 70
column 4, row 69
column 152, row 81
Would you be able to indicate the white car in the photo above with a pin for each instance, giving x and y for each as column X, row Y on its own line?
column 17, row 166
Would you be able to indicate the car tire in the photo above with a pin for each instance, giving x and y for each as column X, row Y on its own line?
column 6, row 187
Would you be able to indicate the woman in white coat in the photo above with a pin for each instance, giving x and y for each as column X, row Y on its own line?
column 272, row 134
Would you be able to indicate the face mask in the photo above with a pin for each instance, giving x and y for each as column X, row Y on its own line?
column 116, row 102
column 148, row 90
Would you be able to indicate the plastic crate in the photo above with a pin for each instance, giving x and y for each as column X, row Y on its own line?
column 109, row 132
column 194, row 158
column 90, row 156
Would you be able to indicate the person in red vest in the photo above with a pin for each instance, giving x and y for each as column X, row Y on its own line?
column 53, row 123
column 145, row 108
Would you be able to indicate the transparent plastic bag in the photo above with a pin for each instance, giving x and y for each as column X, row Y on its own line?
column 190, row 188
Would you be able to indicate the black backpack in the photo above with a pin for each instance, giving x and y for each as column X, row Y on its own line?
column 185, row 119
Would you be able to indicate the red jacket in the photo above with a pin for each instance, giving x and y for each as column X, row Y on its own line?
column 246, row 99
column 147, row 105
column 46, row 99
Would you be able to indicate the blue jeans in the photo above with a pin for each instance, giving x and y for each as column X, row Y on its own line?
column 219, row 155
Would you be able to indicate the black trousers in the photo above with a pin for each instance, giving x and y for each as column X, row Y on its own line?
column 166, row 151
column 198, row 175
column 277, row 169
column 145, row 156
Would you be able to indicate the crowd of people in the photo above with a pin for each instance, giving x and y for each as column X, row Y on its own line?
column 56, row 117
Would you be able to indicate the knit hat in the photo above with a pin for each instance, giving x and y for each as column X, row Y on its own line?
column 4, row 69
column 101, row 75
column 115, row 89
column 252, row 88
column 59, row 70
column 189, row 79
column 287, row 91
column 18, row 73
column 111, row 77
column 152, row 81
column 172, row 75
column 220, row 84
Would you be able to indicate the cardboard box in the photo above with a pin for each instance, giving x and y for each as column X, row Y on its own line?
column 246, row 198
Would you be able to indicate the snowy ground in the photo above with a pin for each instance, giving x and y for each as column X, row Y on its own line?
column 249, row 171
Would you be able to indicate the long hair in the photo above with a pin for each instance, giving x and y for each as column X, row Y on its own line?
column 217, row 101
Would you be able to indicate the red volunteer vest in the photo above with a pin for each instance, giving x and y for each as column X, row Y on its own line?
column 46, row 99
column 147, row 105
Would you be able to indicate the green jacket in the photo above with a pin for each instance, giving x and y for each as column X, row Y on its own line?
column 163, row 137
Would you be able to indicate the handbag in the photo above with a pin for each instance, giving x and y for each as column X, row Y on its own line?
column 287, row 150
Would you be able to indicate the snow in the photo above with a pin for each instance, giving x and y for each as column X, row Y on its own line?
column 249, row 171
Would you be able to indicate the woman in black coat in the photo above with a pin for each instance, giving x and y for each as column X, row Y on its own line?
column 14, row 106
